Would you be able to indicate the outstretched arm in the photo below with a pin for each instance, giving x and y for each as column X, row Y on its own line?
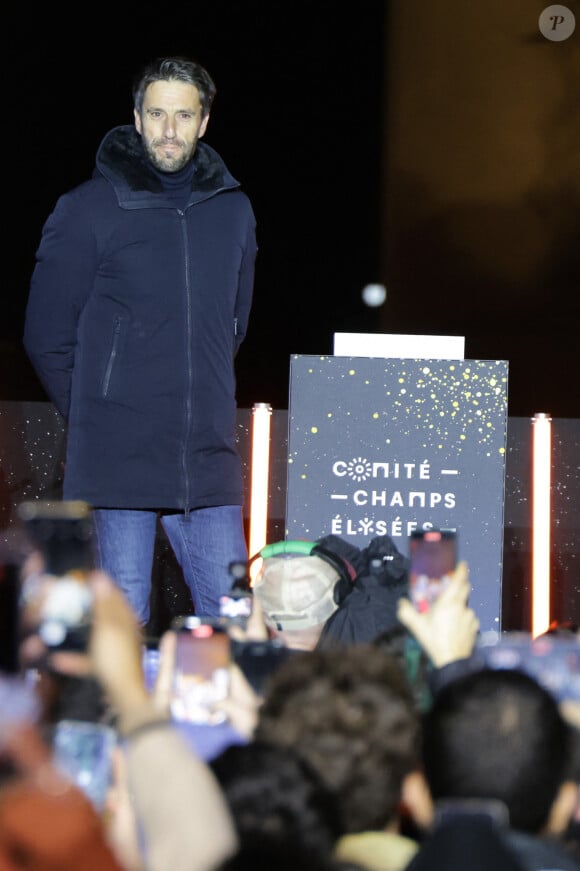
column 179, row 804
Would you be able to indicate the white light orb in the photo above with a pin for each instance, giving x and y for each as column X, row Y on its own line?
column 374, row 294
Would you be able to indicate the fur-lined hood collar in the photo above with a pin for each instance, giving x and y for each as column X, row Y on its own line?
column 122, row 160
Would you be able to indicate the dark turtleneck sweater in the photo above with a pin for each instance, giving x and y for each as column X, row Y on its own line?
column 176, row 185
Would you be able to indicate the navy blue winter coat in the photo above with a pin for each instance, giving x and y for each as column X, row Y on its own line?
column 135, row 314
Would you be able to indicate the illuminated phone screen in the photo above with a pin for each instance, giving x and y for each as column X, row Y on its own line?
column 201, row 676
column 433, row 556
column 60, row 610
column 235, row 607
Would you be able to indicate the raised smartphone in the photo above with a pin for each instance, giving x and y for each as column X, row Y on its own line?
column 236, row 604
column 62, row 533
column 433, row 558
column 201, row 674
column 83, row 752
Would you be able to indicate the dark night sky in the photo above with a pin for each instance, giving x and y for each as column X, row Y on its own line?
column 297, row 118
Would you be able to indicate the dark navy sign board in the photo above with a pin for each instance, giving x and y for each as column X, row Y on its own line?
column 384, row 446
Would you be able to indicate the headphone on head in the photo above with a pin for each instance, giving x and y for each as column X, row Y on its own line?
column 346, row 573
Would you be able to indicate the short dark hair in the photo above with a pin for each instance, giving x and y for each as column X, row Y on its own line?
column 498, row 734
column 274, row 794
column 351, row 714
column 175, row 69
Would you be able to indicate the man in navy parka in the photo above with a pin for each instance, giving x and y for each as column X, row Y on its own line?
column 139, row 301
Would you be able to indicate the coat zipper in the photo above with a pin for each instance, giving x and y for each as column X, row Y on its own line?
column 188, row 329
column 112, row 355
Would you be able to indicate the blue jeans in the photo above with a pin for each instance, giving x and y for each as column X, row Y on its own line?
column 205, row 541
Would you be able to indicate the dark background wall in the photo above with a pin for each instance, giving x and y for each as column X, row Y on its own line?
column 481, row 192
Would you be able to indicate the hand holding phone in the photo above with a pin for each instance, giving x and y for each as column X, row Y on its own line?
column 60, row 601
column 447, row 630
column 83, row 752
column 236, row 605
column 201, row 675
column 433, row 556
